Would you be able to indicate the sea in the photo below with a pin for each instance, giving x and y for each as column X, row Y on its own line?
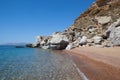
column 35, row 64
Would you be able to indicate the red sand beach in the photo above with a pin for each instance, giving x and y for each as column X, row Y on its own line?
column 97, row 63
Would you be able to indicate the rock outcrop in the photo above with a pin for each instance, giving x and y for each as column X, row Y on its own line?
column 98, row 26
column 58, row 38
column 97, row 39
column 58, row 41
column 103, row 20
column 114, row 33
column 83, row 40
column 70, row 46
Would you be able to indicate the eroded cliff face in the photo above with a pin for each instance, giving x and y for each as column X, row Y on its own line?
column 100, row 8
column 98, row 26
column 97, row 19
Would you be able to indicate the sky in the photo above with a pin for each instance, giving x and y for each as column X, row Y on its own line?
column 23, row 20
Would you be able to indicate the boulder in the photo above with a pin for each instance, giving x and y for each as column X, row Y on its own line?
column 57, row 38
column 114, row 33
column 70, row 46
column 91, row 28
column 59, row 46
column 77, row 35
column 46, row 47
column 59, row 41
column 73, row 44
column 54, row 47
column 107, row 43
column 113, row 26
column 115, row 36
column 77, row 42
column 90, row 40
column 43, row 42
column 83, row 40
column 42, row 39
column 97, row 39
column 103, row 19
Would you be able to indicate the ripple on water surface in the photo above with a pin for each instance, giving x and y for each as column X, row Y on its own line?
column 35, row 64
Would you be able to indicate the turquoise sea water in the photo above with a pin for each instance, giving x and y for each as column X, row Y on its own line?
column 35, row 64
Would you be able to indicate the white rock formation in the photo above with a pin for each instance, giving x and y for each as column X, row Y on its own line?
column 57, row 38
column 91, row 28
column 38, row 39
column 113, row 26
column 46, row 47
column 89, row 40
column 69, row 46
column 114, row 33
column 115, row 36
column 58, row 41
column 42, row 42
column 103, row 19
column 83, row 40
column 97, row 39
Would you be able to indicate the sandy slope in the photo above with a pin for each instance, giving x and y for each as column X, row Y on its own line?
column 98, row 63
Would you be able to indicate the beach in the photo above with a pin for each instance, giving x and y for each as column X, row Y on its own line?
column 97, row 63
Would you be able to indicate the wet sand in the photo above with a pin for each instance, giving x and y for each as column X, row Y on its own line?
column 97, row 63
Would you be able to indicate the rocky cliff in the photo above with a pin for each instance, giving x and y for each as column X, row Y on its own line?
column 98, row 26
column 101, row 9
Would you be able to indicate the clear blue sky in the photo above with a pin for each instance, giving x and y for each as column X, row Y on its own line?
column 23, row 20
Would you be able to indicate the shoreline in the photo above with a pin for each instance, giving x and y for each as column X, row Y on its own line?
column 97, row 63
